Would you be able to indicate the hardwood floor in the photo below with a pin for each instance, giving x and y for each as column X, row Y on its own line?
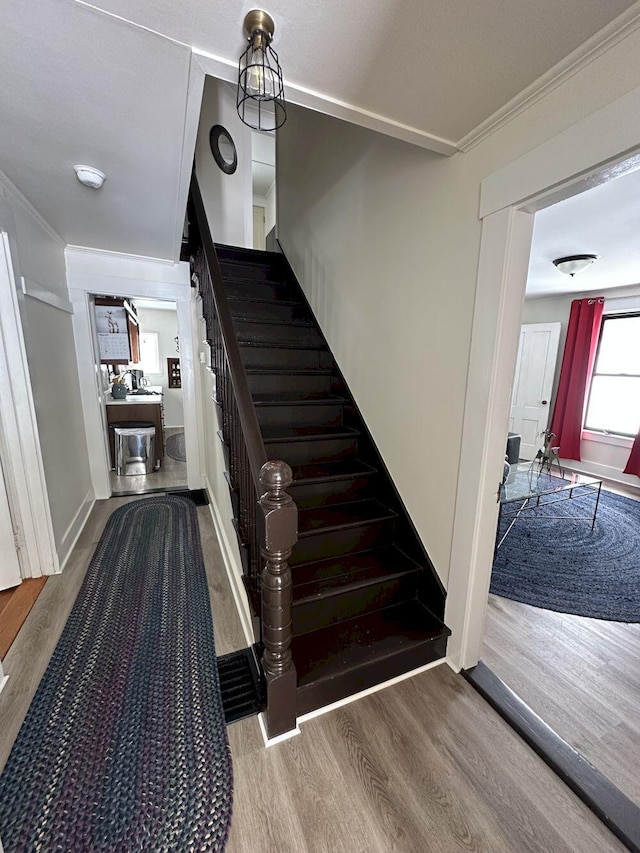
column 15, row 604
column 425, row 765
column 582, row 676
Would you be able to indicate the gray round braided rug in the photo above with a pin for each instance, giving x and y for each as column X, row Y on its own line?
column 124, row 747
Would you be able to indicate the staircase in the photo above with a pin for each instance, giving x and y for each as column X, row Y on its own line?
column 367, row 603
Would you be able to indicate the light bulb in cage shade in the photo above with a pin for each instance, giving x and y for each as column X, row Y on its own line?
column 90, row 177
column 260, row 103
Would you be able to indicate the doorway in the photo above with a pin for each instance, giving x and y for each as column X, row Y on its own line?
column 263, row 182
column 572, row 670
column 151, row 382
column 136, row 280
column 510, row 198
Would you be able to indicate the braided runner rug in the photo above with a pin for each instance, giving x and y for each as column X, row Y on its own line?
column 124, row 747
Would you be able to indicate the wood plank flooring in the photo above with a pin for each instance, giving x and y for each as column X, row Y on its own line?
column 15, row 604
column 582, row 676
column 425, row 765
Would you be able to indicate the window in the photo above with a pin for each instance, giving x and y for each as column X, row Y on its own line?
column 614, row 399
column 149, row 353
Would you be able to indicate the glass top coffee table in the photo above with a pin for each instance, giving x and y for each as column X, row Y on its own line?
column 527, row 487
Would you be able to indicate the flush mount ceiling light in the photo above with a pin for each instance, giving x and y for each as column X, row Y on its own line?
column 260, row 102
column 574, row 263
column 90, row 177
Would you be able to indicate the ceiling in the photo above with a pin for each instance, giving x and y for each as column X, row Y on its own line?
column 108, row 87
column 602, row 221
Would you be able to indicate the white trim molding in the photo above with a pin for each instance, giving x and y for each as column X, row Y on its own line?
column 225, row 69
column 37, row 291
column 233, row 570
column 73, row 531
column 602, row 41
column 23, row 462
column 10, row 187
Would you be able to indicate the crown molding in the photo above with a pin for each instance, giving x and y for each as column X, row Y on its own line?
column 606, row 38
column 225, row 69
column 24, row 202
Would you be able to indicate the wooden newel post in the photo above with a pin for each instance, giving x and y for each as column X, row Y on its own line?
column 280, row 516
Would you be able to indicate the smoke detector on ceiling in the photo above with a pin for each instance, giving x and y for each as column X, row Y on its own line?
column 90, row 177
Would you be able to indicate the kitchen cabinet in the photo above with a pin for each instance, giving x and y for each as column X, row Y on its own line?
column 148, row 409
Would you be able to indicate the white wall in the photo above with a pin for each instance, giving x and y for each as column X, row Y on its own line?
column 38, row 256
column 602, row 456
column 227, row 198
column 165, row 324
column 385, row 239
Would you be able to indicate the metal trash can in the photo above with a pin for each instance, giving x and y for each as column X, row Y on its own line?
column 135, row 449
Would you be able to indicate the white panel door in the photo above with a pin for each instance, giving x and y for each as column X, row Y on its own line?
column 9, row 566
column 531, row 398
column 258, row 227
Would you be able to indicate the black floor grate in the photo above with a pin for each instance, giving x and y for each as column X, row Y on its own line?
column 241, row 685
column 198, row 496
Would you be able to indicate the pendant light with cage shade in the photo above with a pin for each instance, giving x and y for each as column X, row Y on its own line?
column 261, row 104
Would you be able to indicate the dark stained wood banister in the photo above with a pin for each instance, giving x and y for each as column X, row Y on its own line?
column 246, row 410
column 276, row 522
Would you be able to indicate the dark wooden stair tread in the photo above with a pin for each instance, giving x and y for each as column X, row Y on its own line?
column 265, row 321
column 301, row 399
column 306, row 433
column 291, row 303
column 320, row 519
column 264, row 343
column 351, row 571
column 345, row 646
column 342, row 469
column 290, row 371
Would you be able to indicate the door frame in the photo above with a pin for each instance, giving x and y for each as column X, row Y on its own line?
column 90, row 272
column 595, row 150
column 19, row 436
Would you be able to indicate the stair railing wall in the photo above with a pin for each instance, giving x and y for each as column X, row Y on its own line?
column 266, row 515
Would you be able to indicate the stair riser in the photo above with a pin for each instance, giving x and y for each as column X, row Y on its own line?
column 335, row 543
column 331, row 492
column 267, row 311
column 250, row 272
column 256, row 289
column 301, row 452
column 278, row 384
column 321, row 612
column 277, row 334
column 268, row 357
column 323, row 692
column 329, row 415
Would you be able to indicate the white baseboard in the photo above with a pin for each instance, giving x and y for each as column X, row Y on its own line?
column 274, row 740
column 73, row 531
column 603, row 472
column 234, row 571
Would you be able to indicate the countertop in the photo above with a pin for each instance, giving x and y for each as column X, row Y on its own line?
column 153, row 398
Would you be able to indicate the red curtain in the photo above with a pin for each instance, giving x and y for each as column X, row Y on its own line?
column 633, row 464
column 577, row 364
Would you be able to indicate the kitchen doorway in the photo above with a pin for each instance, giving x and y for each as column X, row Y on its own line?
column 148, row 284
column 153, row 385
